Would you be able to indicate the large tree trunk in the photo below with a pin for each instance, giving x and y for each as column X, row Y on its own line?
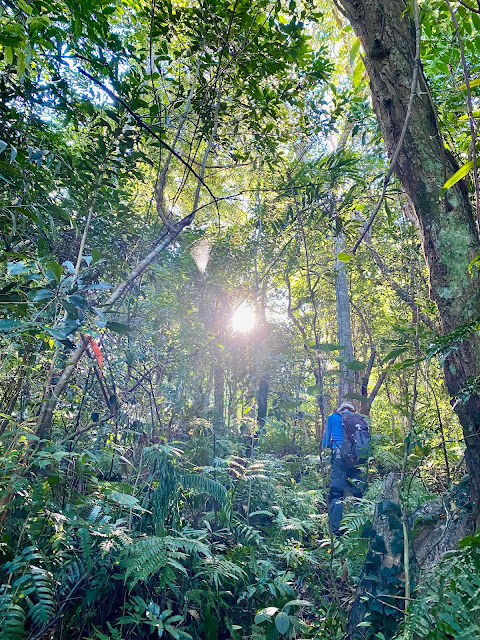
column 447, row 225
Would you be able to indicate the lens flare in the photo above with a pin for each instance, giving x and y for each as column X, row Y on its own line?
column 243, row 319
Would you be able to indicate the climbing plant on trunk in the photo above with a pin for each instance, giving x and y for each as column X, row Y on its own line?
column 446, row 221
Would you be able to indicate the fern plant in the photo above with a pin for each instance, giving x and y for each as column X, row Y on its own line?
column 12, row 616
column 31, row 585
column 203, row 484
column 447, row 605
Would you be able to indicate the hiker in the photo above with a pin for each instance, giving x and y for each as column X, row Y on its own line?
column 348, row 437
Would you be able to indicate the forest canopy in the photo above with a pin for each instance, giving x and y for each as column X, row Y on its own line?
column 219, row 220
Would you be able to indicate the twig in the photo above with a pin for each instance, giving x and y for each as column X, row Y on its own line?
column 79, row 432
column 145, row 126
column 416, row 71
column 386, row 604
column 467, row 6
column 400, row 291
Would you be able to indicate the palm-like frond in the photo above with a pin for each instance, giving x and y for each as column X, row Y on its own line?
column 12, row 618
column 202, row 484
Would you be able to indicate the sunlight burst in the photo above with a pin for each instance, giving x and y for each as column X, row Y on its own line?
column 243, row 319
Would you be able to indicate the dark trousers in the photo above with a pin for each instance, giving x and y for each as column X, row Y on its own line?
column 341, row 475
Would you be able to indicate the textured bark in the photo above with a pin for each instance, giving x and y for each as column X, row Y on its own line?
column 446, row 224
column 384, row 560
column 438, row 526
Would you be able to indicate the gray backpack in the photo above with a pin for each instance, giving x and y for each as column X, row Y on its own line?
column 356, row 439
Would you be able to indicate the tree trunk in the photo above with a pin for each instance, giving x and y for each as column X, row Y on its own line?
column 344, row 328
column 219, row 401
column 446, row 224
column 384, row 572
column 262, row 402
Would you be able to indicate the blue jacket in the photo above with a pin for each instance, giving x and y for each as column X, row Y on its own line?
column 333, row 436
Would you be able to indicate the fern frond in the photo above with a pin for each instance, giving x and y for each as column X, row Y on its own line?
column 12, row 618
column 247, row 534
column 202, row 484
column 216, row 570
column 43, row 610
column 145, row 558
column 114, row 634
column 390, row 460
column 190, row 546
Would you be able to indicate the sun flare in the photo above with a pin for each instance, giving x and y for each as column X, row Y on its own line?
column 243, row 319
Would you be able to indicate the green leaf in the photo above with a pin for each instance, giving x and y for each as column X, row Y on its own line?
column 473, row 84
column 344, row 257
column 298, row 603
column 42, row 247
column 118, row 327
column 13, row 153
column 7, row 324
column 328, row 347
column 16, row 268
column 358, row 73
column 354, row 51
column 69, row 266
column 125, row 500
column 79, row 301
column 37, row 295
column 474, row 264
column 3, row 146
column 99, row 286
column 394, row 353
column 282, row 622
column 458, row 175
column 355, row 396
column 54, row 269
column 265, row 614
column 355, row 365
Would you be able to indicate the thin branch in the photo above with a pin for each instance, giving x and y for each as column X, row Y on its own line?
column 92, row 425
column 400, row 291
column 144, row 125
column 467, row 6
column 46, row 414
column 413, row 90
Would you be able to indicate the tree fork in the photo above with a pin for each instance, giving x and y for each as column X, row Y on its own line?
column 446, row 222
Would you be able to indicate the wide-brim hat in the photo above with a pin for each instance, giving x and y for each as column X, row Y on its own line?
column 346, row 406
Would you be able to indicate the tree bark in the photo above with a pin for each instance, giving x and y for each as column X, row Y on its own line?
column 344, row 327
column 446, row 223
column 219, row 400
column 262, row 402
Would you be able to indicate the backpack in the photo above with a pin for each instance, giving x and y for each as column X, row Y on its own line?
column 356, row 439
